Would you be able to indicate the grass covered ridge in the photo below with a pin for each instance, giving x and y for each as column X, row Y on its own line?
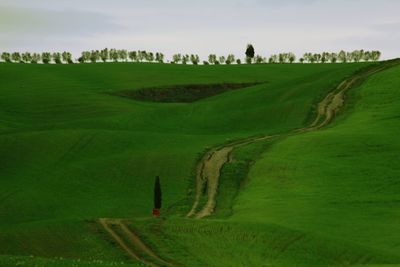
column 335, row 205
column 345, row 183
column 71, row 150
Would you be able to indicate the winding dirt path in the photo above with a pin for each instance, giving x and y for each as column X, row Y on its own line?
column 210, row 166
column 209, row 171
column 131, row 243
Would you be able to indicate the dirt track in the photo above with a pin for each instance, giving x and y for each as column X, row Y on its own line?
column 210, row 166
column 131, row 243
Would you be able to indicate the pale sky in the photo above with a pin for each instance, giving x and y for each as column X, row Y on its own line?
column 202, row 27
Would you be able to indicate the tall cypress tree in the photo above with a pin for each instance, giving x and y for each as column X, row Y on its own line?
column 157, row 193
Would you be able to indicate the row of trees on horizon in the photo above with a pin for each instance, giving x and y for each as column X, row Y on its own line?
column 114, row 55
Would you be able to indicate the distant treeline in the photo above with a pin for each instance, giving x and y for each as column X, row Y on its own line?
column 116, row 55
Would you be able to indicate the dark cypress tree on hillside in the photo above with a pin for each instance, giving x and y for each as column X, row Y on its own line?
column 157, row 193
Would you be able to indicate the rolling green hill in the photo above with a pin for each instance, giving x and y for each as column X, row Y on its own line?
column 341, row 182
column 71, row 150
column 320, row 198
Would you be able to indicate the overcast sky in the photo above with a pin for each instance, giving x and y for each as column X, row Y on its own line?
column 203, row 27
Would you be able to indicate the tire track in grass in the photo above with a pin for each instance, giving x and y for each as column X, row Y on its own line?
column 209, row 171
column 78, row 146
column 106, row 225
column 131, row 243
column 210, row 166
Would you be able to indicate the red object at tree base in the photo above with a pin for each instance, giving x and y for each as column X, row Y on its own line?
column 156, row 212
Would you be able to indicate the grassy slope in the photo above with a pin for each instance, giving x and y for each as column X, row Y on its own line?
column 339, row 183
column 229, row 243
column 70, row 151
column 327, row 198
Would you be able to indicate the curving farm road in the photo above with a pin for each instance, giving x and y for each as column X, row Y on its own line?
column 210, row 166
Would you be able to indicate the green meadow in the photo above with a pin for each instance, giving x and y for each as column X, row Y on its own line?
column 73, row 150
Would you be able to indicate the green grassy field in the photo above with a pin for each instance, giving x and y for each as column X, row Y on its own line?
column 324, row 198
column 72, row 151
column 340, row 182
